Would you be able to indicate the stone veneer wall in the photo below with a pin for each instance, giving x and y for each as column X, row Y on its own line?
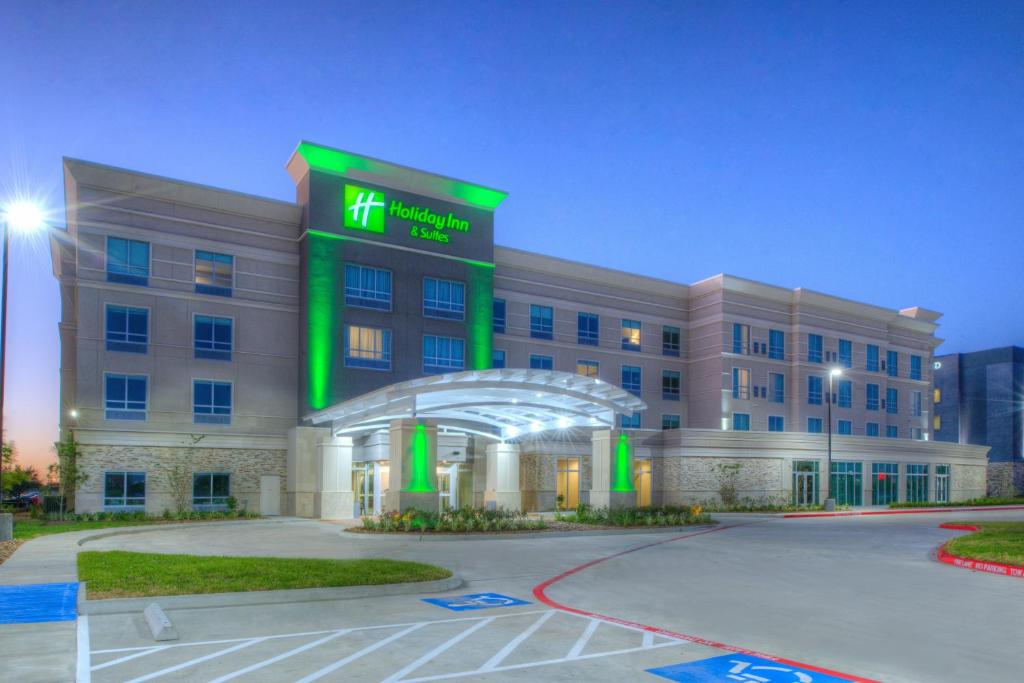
column 966, row 481
column 684, row 480
column 245, row 465
column 1006, row 478
column 538, row 483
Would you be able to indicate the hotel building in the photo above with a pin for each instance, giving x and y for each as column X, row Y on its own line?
column 369, row 347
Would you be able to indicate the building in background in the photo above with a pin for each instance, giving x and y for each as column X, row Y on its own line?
column 979, row 399
column 300, row 357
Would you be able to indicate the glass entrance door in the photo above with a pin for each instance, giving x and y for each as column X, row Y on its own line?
column 885, row 483
column 942, row 483
column 362, row 488
column 805, row 482
column 847, row 483
column 567, row 484
column 446, row 482
column 642, row 482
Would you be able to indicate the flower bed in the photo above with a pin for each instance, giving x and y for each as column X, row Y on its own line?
column 973, row 502
column 636, row 517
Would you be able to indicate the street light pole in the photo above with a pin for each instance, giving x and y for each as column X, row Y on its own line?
column 830, row 502
column 3, row 353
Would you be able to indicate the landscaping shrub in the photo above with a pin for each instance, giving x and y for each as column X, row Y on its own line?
column 631, row 517
column 973, row 502
column 465, row 519
column 766, row 504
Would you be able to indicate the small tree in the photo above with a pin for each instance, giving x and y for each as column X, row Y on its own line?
column 728, row 473
column 179, row 480
column 67, row 471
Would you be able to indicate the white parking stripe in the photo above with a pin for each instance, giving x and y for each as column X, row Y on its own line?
column 399, row 675
column 356, row 655
column 128, row 658
column 278, row 658
column 515, row 642
column 197, row 660
column 648, row 639
column 583, row 639
column 82, row 669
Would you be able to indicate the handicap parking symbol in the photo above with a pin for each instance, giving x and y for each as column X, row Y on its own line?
column 741, row 669
column 462, row 603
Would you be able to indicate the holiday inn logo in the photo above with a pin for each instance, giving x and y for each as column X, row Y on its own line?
column 364, row 209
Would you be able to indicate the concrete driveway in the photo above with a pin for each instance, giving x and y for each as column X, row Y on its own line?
column 858, row 595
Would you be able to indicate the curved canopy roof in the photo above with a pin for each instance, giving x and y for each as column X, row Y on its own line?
column 501, row 403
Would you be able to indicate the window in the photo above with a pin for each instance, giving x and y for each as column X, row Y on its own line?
column 915, row 367
column 872, row 359
column 892, row 432
column 844, row 427
column 670, row 382
column 741, row 422
column 871, row 397
column 892, row 363
column 777, row 386
column 892, row 404
column 212, row 337
column 210, row 490
column 497, row 358
column 814, row 425
column 845, row 394
column 741, row 383
column 777, row 344
column 805, row 483
column 125, row 397
column 127, row 329
column 670, row 341
column 444, row 299
column 814, row 390
column 541, row 322
column 367, row 347
column 915, row 403
column 847, row 485
column 884, row 482
column 630, row 335
column 443, row 354
column 499, row 316
column 211, row 402
column 942, row 483
column 937, row 395
column 670, row 422
column 541, row 362
column 630, row 421
column 815, row 344
column 587, row 368
column 776, row 423
column 367, row 287
column 871, row 429
column 631, row 379
column 127, row 261
column 214, row 273
column 587, row 328
column 916, row 433
column 124, row 489
column 936, row 422
column 846, row 353
column 740, row 338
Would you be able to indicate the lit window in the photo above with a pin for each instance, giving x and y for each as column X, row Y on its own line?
column 444, row 299
column 212, row 337
column 936, row 422
column 367, row 287
column 443, row 354
column 127, row 329
column 214, row 273
column 587, row 368
column 127, row 261
column 630, row 335
column 211, row 402
column 937, row 395
column 367, row 347
column 740, row 338
column 741, row 383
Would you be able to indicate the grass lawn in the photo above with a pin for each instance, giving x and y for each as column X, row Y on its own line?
column 996, row 542
column 24, row 529
column 119, row 574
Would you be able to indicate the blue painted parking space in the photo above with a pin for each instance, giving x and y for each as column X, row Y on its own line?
column 463, row 603
column 38, row 602
column 741, row 669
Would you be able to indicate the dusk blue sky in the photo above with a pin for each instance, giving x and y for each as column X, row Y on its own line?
column 873, row 151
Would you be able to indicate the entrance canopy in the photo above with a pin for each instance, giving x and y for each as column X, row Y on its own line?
column 502, row 403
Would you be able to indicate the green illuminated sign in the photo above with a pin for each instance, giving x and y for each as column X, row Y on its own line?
column 364, row 209
column 622, row 474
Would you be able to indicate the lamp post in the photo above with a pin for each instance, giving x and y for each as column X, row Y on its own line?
column 830, row 502
column 23, row 217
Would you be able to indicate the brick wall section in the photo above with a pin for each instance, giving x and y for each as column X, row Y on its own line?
column 245, row 465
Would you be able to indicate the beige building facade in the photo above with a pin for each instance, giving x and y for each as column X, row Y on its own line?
column 203, row 331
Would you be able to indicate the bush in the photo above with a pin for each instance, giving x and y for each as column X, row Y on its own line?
column 465, row 519
column 766, row 504
column 633, row 517
column 973, row 502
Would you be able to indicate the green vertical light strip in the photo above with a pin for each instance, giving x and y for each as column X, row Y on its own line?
column 419, row 467
column 480, row 320
column 623, row 474
column 323, row 317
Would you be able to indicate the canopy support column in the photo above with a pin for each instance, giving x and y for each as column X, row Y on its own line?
column 612, row 470
column 502, row 490
column 413, row 473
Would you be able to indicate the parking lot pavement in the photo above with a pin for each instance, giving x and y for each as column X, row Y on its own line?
column 394, row 639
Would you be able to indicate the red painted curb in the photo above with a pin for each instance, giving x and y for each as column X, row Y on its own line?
column 540, row 595
column 903, row 511
column 942, row 555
